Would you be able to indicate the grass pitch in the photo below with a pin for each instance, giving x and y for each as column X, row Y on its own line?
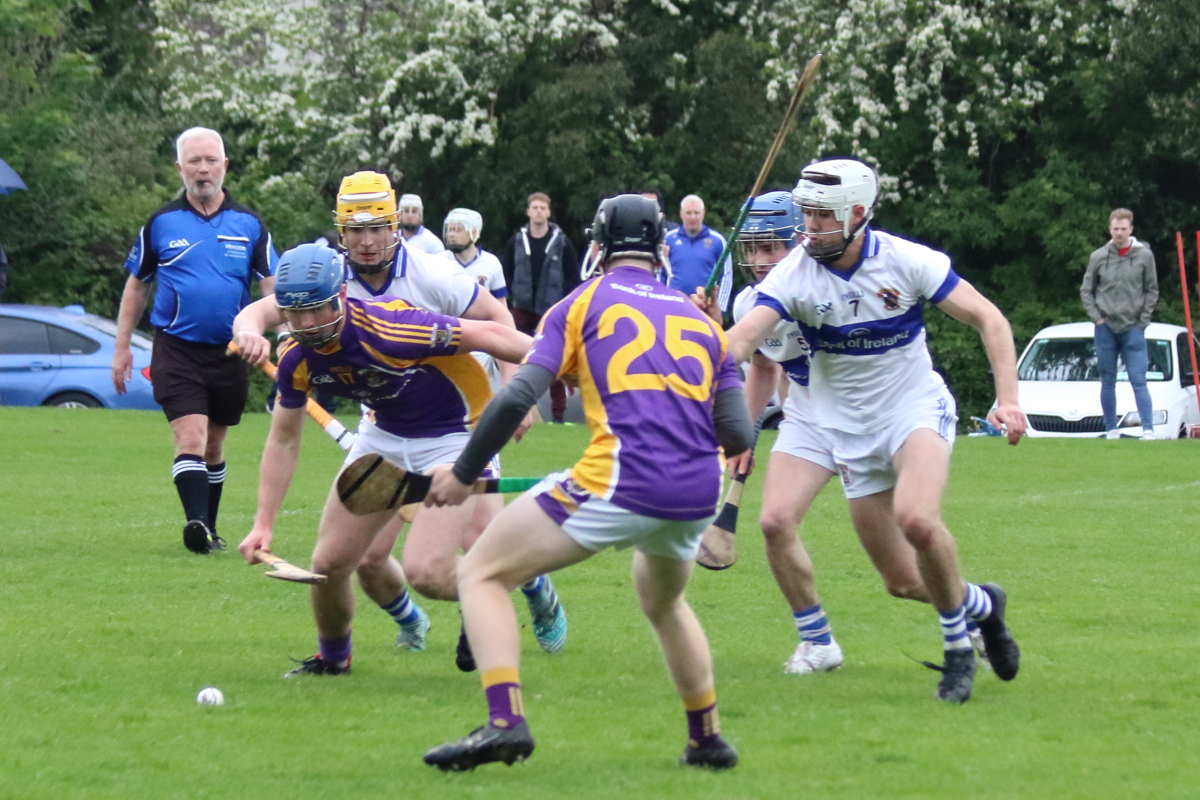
column 109, row 628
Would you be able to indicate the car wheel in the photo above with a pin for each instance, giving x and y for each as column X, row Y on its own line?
column 73, row 400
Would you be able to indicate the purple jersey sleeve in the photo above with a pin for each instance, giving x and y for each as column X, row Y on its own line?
column 549, row 347
column 292, row 377
column 727, row 376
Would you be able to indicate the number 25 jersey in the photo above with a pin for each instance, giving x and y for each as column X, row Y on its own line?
column 649, row 364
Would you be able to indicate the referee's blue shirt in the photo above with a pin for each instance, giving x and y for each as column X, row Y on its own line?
column 692, row 259
column 203, row 265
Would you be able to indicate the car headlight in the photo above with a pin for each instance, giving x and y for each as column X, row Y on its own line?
column 1134, row 420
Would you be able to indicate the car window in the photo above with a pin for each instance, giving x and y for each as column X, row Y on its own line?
column 1060, row 360
column 1185, row 359
column 1075, row 360
column 1159, row 369
column 23, row 337
column 108, row 326
column 69, row 343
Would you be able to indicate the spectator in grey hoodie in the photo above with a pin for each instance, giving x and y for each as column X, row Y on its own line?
column 1119, row 291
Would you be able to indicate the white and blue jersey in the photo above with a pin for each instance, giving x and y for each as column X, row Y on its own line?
column 485, row 269
column 426, row 241
column 422, row 280
column 865, row 327
column 785, row 345
column 692, row 259
column 203, row 266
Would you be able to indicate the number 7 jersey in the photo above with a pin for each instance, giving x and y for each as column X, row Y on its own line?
column 649, row 364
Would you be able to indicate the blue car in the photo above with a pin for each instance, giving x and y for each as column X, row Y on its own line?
column 63, row 357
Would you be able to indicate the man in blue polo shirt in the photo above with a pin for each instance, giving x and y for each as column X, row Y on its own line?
column 204, row 249
column 693, row 249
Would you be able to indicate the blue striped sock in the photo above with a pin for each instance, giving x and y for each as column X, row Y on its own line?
column 954, row 629
column 534, row 587
column 402, row 609
column 813, row 625
column 979, row 603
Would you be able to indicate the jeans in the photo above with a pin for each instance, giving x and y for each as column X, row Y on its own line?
column 1131, row 345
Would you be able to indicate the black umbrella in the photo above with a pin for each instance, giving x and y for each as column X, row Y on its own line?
column 10, row 181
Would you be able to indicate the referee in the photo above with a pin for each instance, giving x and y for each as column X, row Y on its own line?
column 203, row 248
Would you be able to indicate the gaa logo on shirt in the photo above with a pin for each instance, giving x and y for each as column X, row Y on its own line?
column 824, row 308
column 891, row 298
column 179, row 243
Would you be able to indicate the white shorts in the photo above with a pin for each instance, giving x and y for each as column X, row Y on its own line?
column 803, row 438
column 864, row 461
column 595, row 523
column 414, row 455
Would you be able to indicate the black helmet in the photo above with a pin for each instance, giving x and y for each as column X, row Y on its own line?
column 628, row 225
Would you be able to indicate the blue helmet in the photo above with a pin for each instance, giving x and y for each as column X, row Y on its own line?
column 310, row 276
column 773, row 217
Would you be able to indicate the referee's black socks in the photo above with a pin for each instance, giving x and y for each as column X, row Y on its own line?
column 191, row 481
column 216, row 482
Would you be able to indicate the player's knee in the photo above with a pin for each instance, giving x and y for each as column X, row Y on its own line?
column 905, row 587
column 657, row 609
column 433, row 578
column 777, row 528
column 372, row 567
column 920, row 527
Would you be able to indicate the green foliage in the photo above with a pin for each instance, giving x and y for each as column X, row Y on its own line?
column 1005, row 131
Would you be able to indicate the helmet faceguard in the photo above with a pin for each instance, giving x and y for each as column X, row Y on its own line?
column 366, row 200
column 771, row 224
column 309, row 279
column 411, row 204
column 837, row 185
column 458, row 220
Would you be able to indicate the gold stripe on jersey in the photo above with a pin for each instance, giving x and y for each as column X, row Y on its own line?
column 405, row 333
column 597, row 470
column 398, row 363
column 300, row 381
column 391, row 304
column 469, row 378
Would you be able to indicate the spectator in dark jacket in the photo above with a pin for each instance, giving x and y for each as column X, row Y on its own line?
column 541, row 267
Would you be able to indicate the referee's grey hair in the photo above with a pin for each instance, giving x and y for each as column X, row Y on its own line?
column 196, row 133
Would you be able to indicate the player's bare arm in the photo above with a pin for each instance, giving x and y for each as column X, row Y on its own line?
column 280, row 454
column 747, row 335
column 503, row 342
column 133, row 305
column 968, row 306
column 249, row 326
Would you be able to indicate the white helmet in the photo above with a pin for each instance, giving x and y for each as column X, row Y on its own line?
column 470, row 220
column 838, row 184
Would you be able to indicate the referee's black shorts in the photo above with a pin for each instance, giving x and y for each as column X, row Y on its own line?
column 192, row 378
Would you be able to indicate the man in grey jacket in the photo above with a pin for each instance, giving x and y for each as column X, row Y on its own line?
column 1119, row 291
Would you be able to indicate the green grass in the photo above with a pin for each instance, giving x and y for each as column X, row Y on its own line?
column 108, row 628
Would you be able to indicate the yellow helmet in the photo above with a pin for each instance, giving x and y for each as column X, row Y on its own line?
column 365, row 199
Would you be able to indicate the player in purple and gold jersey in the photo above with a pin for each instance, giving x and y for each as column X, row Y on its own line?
column 412, row 368
column 661, row 396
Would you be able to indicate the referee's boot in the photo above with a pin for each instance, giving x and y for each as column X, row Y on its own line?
column 485, row 745
column 197, row 537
